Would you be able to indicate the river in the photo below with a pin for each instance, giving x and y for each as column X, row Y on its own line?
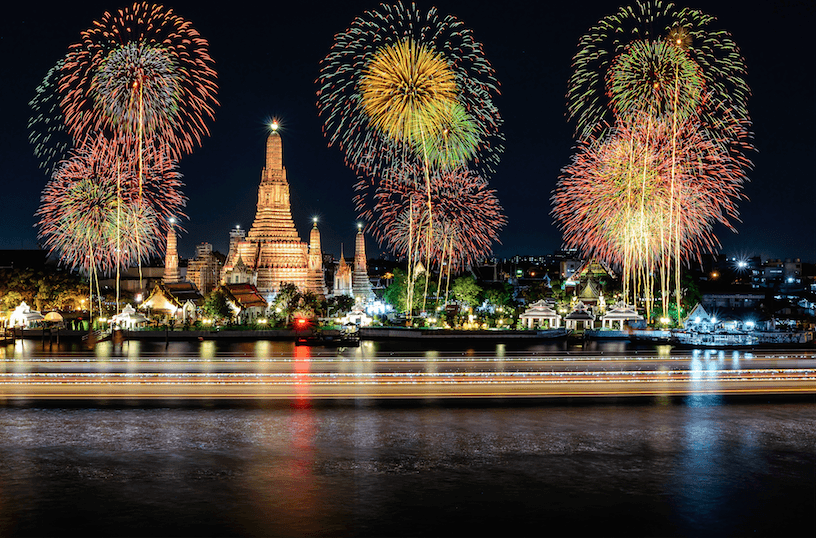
column 700, row 465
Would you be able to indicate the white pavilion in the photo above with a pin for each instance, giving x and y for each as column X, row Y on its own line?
column 580, row 318
column 539, row 313
column 24, row 317
column 620, row 314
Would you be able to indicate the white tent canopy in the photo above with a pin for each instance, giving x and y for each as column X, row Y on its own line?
column 23, row 316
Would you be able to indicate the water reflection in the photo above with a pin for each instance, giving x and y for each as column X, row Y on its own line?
column 369, row 470
column 703, row 376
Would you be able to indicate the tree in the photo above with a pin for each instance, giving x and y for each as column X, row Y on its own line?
column 286, row 301
column 396, row 294
column 499, row 295
column 466, row 291
column 691, row 292
column 42, row 290
column 340, row 305
column 216, row 306
column 309, row 304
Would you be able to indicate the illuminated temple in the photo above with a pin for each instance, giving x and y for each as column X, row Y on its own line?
column 272, row 252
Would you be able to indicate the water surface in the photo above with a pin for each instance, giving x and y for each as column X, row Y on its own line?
column 695, row 466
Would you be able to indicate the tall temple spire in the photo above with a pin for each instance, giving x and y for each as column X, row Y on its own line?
column 274, row 169
column 272, row 250
column 171, row 259
column 273, row 221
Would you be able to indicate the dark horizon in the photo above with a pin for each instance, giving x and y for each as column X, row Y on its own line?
column 267, row 61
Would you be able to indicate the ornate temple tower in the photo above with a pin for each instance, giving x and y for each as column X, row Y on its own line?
column 273, row 250
column 171, row 259
column 360, row 284
column 316, row 277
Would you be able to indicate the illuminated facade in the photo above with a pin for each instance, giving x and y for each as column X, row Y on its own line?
column 204, row 270
column 272, row 252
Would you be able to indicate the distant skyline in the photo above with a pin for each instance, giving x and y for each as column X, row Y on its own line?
column 267, row 61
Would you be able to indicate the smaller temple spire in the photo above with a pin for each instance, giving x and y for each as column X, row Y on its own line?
column 360, row 283
column 315, row 252
column 316, row 278
column 359, row 250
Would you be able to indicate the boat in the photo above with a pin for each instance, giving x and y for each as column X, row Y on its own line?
column 796, row 338
column 347, row 337
column 717, row 339
column 653, row 336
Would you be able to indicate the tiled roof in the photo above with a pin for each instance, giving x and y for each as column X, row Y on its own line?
column 246, row 295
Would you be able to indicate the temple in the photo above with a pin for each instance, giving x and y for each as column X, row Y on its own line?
column 272, row 252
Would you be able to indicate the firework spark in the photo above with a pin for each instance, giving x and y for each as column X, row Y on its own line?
column 636, row 59
column 46, row 127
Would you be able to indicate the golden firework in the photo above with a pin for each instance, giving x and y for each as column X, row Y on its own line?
column 407, row 91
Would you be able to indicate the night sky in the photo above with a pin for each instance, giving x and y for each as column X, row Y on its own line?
column 267, row 58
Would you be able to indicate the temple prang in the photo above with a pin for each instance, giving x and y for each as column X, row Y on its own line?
column 272, row 252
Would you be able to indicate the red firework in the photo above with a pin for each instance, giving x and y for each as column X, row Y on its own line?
column 617, row 200
column 467, row 216
column 91, row 211
column 141, row 71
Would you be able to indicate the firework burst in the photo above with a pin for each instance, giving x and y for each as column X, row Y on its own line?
column 405, row 90
column 467, row 217
column 396, row 78
column 617, row 200
column 643, row 56
column 141, row 71
column 91, row 212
